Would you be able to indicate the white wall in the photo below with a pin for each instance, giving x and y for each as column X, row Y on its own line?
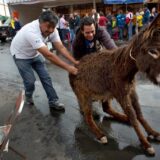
column 4, row 11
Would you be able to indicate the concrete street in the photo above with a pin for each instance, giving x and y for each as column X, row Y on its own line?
column 41, row 136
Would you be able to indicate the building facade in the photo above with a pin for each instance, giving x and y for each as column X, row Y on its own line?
column 30, row 9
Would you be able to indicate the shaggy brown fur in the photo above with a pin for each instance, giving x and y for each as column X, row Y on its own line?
column 110, row 74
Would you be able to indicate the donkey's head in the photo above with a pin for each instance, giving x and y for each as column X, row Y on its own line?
column 147, row 46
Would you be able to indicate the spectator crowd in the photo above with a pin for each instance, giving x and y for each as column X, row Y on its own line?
column 121, row 25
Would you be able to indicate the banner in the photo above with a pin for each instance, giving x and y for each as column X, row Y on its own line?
column 27, row 1
column 152, row 1
column 122, row 1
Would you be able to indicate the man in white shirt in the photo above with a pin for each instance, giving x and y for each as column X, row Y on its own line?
column 27, row 49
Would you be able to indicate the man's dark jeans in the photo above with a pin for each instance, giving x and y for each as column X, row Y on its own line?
column 26, row 67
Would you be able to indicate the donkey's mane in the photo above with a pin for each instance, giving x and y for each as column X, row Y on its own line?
column 129, row 50
column 122, row 53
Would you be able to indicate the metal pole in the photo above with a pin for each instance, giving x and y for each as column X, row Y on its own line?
column 126, row 7
column 159, row 6
column 4, row 8
column 94, row 4
column 71, row 9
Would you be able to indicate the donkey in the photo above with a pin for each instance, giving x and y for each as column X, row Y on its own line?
column 111, row 74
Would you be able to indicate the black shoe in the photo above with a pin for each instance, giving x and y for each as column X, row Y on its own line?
column 29, row 101
column 57, row 106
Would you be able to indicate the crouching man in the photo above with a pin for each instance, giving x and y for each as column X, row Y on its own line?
column 91, row 38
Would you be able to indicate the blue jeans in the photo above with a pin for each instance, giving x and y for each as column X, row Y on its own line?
column 64, row 33
column 72, row 35
column 26, row 67
column 130, row 28
column 121, row 29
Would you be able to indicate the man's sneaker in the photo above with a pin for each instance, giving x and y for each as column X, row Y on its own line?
column 57, row 106
column 29, row 101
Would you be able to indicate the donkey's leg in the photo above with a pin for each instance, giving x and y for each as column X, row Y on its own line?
column 151, row 132
column 108, row 109
column 86, row 108
column 128, row 109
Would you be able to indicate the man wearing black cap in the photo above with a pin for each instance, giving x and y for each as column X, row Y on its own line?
column 27, row 49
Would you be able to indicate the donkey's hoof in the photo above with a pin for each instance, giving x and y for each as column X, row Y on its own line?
column 103, row 140
column 153, row 138
column 150, row 137
column 157, row 138
column 150, row 151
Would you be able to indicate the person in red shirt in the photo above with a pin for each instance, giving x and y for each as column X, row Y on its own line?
column 103, row 20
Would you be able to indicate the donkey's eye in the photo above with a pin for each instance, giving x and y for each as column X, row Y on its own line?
column 153, row 51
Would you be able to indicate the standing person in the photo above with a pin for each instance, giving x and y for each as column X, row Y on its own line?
column 129, row 18
column 134, row 23
column 140, row 19
column 63, row 25
column 121, row 23
column 17, row 24
column 153, row 14
column 146, row 16
column 136, row 28
column 27, row 47
column 95, row 15
column 76, row 21
column 115, row 30
column 12, row 26
column 91, row 38
column 71, row 27
column 86, row 15
column 58, row 25
column 103, row 20
column 109, row 23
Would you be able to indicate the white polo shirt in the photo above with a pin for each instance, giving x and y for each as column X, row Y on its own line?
column 29, row 39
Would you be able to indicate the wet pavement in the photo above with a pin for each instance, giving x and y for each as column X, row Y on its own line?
column 40, row 136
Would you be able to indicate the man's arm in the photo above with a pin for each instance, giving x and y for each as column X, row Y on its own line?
column 106, row 40
column 55, row 39
column 62, row 49
column 56, row 60
column 38, row 44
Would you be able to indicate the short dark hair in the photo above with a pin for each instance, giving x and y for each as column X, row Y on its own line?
column 48, row 16
column 86, row 21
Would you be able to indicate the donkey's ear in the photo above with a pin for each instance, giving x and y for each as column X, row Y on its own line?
column 155, row 22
